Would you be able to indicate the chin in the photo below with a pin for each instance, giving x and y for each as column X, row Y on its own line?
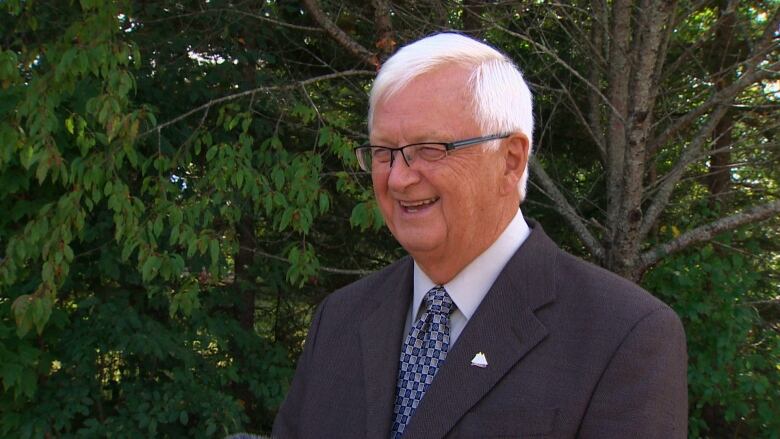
column 418, row 245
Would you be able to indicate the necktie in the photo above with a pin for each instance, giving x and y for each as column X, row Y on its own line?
column 422, row 355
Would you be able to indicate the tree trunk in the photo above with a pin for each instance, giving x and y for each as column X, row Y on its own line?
column 725, row 52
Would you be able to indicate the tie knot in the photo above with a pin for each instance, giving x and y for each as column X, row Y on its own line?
column 438, row 301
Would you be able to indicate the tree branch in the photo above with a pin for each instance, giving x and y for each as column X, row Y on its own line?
column 643, row 86
column 618, row 92
column 723, row 96
column 751, row 75
column 384, row 29
column 690, row 49
column 591, row 124
column 597, row 37
column 270, row 20
column 245, row 93
column 709, row 231
column 348, row 271
column 670, row 180
column 720, row 101
column 551, row 53
column 664, row 49
column 566, row 210
column 355, row 48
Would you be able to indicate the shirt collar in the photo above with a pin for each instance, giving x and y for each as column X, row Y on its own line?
column 469, row 287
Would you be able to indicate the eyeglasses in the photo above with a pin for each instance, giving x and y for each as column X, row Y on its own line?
column 373, row 158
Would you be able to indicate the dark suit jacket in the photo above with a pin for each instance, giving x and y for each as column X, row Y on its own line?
column 573, row 351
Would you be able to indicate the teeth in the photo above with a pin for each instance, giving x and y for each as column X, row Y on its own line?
column 412, row 204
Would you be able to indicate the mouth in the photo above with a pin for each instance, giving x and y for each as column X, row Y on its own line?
column 417, row 205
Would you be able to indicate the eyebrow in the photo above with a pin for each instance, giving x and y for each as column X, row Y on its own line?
column 434, row 136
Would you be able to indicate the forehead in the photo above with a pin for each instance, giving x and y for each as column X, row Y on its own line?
column 438, row 102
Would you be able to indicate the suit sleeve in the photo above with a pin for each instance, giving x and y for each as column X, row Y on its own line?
column 643, row 390
column 285, row 424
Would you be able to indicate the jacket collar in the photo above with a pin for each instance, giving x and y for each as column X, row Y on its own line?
column 503, row 327
column 381, row 333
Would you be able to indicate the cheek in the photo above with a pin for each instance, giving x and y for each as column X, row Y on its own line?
column 466, row 181
column 470, row 191
column 377, row 182
column 380, row 187
column 382, row 197
column 460, row 197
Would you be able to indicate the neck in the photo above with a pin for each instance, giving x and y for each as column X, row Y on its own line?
column 442, row 268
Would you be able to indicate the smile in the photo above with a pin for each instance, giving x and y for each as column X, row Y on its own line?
column 414, row 206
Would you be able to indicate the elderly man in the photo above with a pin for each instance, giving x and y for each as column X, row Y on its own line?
column 488, row 330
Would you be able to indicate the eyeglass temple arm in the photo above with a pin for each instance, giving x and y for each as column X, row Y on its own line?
column 467, row 142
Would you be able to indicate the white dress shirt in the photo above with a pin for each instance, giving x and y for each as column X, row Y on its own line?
column 469, row 287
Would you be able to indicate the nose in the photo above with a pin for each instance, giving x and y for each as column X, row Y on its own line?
column 401, row 174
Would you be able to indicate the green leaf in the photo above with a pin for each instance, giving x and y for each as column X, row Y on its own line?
column 325, row 134
column 150, row 268
column 174, row 238
column 359, row 217
column 42, row 312
column 175, row 216
column 127, row 249
column 277, row 175
column 285, row 220
column 279, row 200
column 20, row 308
column 10, row 372
column 43, row 169
column 214, row 249
column 293, row 255
column 324, row 202
column 47, row 272
column 158, row 226
column 192, row 247
column 211, row 152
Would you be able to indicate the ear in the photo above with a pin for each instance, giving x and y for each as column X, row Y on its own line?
column 515, row 154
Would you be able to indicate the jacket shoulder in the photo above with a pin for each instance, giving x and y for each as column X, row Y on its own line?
column 603, row 286
column 581, row 286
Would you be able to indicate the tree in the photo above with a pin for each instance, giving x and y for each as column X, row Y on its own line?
column 149, row 242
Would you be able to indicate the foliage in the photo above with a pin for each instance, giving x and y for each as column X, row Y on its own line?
column 720, row 294
column 178, row 191
column 130, row 371
column 139, row 298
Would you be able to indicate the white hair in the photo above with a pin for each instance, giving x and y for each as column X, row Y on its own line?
column 502, row 102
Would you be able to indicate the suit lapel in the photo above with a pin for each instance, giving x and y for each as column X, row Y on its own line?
column 381, row 335
column 504, row 328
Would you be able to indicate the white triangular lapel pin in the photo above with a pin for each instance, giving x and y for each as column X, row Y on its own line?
column 479, row 360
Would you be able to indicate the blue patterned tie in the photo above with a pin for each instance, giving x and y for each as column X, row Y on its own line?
column 421, row 356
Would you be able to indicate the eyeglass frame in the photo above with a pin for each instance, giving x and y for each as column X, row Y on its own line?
column 448, row 146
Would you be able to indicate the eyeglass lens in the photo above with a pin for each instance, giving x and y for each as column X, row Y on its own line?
column 377, row 158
